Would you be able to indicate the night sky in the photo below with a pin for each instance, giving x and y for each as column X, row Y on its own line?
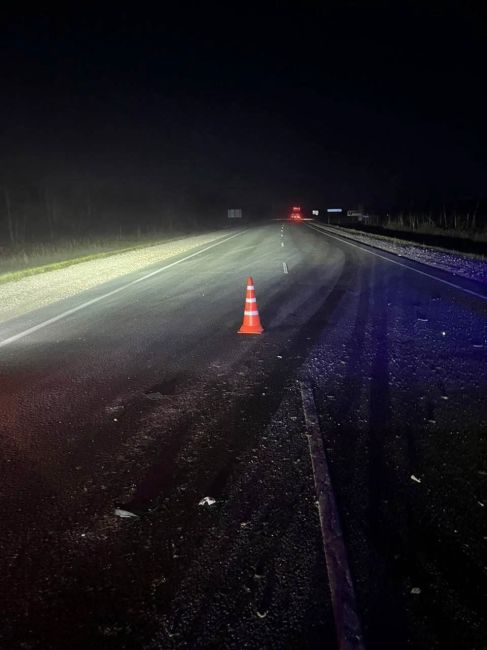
column 270, row 103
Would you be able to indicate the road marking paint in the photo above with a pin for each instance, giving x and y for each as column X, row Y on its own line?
column 284, row 267
column 88, row 303
column 282, row 244
column 282, row 234
column 345, row 612
column 406, row 266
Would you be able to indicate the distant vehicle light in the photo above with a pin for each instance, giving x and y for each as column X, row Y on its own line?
column 296, row 214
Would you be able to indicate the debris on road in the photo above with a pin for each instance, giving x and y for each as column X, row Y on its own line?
column 415, row 478
column 114, row 408
column 154, row 396
column 124, row 514
column 416, row 591
column 207, row 501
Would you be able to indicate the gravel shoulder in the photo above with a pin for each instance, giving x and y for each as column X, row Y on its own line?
column 463, row 265
column 27, row 294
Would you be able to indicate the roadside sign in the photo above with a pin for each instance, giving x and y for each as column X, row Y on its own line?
column 334, row 210
column 316, row 212
column 235, row 213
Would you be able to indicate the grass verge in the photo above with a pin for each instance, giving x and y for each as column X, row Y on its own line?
column 18, row 274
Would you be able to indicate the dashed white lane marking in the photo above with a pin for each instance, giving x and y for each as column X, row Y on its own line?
column 88, row 303
column 345, row 612
column 406, row 266
column 282, row 244
column 284, row 267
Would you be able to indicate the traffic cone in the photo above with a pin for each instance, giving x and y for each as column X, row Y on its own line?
column 251, row 321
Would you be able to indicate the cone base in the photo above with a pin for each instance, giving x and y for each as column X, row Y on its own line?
column 250, row 330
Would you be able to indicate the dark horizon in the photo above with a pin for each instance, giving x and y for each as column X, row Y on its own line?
column 345, row 104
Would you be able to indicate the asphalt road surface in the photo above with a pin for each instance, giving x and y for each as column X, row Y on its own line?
column 143, row 397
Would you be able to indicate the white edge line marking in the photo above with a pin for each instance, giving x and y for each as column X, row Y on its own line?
column 282, row 244
column 88, row 303
column 284, row 267
column 411, row 268
column 345, row 612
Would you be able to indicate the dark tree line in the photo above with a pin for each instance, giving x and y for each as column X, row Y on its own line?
column 463, row 217
column 50, row 211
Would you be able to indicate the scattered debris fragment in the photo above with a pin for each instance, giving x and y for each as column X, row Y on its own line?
column 207, row 501
column 415, row 478
column 124, row 514
column 114, row 408
column 154, row 396
column 262, row 614
column 416, row 590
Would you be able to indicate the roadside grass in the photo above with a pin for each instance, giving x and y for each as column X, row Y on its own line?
column 40, row 258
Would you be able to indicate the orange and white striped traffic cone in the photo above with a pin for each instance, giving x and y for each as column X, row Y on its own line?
column 251, row 321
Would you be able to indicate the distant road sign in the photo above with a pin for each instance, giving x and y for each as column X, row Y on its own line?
column 316, row 212
column 354, row 213
column 235, row 213
column 334, row 210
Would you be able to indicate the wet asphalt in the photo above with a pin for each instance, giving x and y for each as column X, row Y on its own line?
column 148, row 401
